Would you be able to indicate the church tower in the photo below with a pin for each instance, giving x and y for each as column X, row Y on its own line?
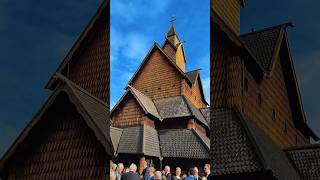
column 174, row 48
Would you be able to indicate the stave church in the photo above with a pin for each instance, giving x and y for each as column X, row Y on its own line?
column 258, row 125
column 163, row 115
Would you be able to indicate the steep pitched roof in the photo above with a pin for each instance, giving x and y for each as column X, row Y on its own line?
column 101, row 12
column 206, row 113
column 144, row 101
column 141, row 140
column 185, row 143
column 238, row 146
column 156, row 46
column 265, row 44
column 306, row 159
column 94, row 112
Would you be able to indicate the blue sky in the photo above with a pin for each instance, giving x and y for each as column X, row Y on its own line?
column 135, row 25
column 304, row 42
column 35, row 37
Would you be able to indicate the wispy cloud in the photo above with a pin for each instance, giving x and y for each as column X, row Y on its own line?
column 131, row 11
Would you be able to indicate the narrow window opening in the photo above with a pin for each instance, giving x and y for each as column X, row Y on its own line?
column 273, row 114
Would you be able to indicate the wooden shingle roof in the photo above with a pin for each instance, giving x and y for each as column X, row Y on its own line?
column 307, row 160
column 145, row 140
column 183, row 143
column 238, row 146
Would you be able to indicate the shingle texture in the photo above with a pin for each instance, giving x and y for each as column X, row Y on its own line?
column 307, row 160
column 145, row 140
column 139, row 140
column 262, row 44
column 240, row 147
column 178, row 106
column 206, row 113
column 183, row 143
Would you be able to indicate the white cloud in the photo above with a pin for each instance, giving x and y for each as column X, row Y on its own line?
column 206, row 88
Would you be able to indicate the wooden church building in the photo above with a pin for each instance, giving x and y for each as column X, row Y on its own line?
column 69, row 136
column 163, row 114
column 258, row 125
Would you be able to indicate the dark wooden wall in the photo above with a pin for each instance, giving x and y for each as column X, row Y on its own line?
column 61, row 146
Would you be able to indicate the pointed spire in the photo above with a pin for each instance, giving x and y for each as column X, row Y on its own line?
column 172, row 31
column 172, row 35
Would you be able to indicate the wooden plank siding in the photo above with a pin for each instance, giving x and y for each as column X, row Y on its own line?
column 91, row 68
column 275, row 100
column 193, row 93
column 158, row 79
column 229, row 77
column 229, row 11
column 130, row 113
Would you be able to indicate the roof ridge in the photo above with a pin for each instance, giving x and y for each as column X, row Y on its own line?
column 199, row 137
column 290, row 24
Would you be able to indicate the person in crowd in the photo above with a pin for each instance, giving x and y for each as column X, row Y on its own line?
column 157, row 175
column 178, row 174
column 145, row 172
column 167, row 173
column 151, row 172
column 126, row 170
column 132, row 174
column 184, row 176
column 190, row 174
column 113, row 168
column 119, row 171
column 207, row 171
column 196, row 173
column 204, row 178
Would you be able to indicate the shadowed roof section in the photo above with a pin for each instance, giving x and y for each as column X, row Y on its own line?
column 307, row 160
column 178, row 106
column 265, row 44
column 93, row 110
column 248, row 150
column 140, row 139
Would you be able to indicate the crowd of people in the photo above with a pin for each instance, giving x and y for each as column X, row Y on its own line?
column 119, row 172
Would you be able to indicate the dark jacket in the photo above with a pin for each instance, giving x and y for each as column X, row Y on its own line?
column 169, row 177
column 130, row 176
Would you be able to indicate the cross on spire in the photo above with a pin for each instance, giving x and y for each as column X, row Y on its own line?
column 173, row 18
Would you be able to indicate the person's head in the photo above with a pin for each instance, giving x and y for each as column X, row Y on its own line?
column 113, row 167
column 178, row 171
column 167, row 169
column 126, row 170
column 157, row 175
column 120, row 167
column 133, row 168
column 151, row 171
column 207, row 169
column 195, row 171
column 190, row 171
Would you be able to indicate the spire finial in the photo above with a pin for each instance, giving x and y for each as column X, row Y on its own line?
column 173, row 18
